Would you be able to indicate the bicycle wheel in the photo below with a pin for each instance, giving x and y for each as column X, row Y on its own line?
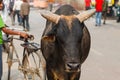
column 9, row 60
column 32, row 65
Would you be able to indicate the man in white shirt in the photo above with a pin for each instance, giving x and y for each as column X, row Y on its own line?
column 4, row 13
column 16, row 9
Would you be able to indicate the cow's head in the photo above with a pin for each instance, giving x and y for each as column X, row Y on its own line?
column 67, row 33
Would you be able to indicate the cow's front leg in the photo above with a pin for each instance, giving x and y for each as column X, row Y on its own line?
column 55, row 75
column 74, row 76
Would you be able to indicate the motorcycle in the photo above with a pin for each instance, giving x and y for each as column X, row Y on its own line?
column 118, row 14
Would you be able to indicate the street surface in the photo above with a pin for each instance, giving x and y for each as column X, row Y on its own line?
column 103, row 62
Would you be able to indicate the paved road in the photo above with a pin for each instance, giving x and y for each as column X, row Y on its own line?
column 103, row 60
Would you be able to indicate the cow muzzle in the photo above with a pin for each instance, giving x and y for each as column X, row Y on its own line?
column 72, row 67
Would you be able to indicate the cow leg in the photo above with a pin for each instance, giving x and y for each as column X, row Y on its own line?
column 49, row 75
column 78, row 76
column 52, row 75
column 74, row 76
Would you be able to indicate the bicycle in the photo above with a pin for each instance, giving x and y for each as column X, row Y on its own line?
column 32, row 61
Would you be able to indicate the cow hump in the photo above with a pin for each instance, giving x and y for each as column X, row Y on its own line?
column 66, row 10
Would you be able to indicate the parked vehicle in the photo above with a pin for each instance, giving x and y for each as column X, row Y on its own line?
column 118, row 14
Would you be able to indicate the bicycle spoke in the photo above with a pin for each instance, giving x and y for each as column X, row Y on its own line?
column 34, row 68
column 34, row 60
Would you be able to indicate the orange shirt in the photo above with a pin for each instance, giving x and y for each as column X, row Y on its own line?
column 51, row 1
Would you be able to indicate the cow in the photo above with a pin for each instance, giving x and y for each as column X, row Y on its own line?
column 65, row 42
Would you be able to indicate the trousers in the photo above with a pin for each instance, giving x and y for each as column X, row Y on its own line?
column 98, row 18
column 1, row 65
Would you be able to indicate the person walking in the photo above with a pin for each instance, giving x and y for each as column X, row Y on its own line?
column 4, row 13
column 98, row 7
column 16, row 9
column 104, row 11
column 50, row 4
column 24, row 12
column 11, row 12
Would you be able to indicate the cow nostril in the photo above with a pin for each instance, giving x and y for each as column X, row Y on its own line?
column 73, row 65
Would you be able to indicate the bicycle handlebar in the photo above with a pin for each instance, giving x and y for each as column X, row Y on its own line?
column 30, row 38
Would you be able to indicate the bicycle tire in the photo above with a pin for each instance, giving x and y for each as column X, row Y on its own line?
column 9, row 72
column 9, row 61
column 31, row 71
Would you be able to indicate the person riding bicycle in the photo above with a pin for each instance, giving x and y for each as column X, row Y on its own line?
column 10, row 32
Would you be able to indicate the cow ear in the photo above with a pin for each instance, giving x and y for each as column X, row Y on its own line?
column 50, row 38
column 85, row 14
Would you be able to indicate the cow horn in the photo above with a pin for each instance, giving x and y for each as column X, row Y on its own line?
column 50, row 16
column 85, row 15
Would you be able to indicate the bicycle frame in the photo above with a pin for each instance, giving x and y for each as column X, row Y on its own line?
column 10, row 59
column 26, row 52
